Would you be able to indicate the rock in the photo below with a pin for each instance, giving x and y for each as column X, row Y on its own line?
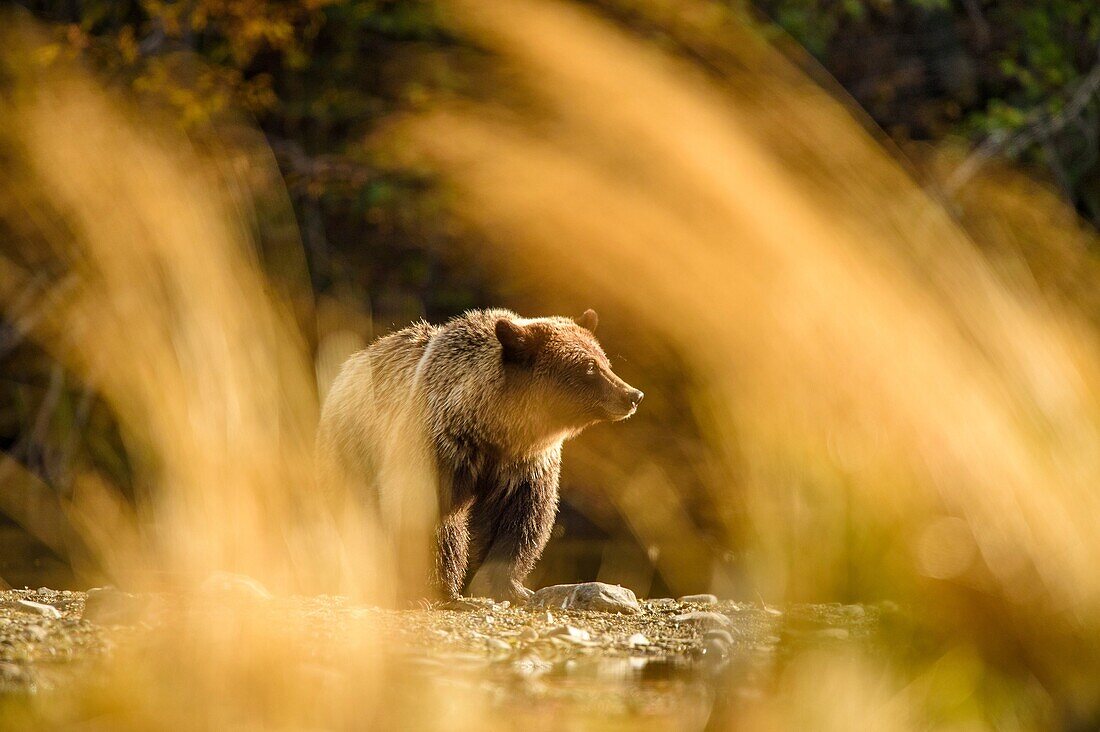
column 699, row 599
column 854, row 611
column 773, row 611
column 637, row 640
column 703, row 620
column 570, row 633
column 35, row 633
column 239, row 586
column 527, row 635
column 464, row 604
column 36, row 608
column 109, row 606
column 587, row 596
column 722, row 636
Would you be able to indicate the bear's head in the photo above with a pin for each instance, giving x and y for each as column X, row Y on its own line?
column 560, row 364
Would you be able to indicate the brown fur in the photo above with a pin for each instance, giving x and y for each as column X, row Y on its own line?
column 489, row 398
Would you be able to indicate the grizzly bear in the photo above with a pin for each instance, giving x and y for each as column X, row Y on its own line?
column 489, row 397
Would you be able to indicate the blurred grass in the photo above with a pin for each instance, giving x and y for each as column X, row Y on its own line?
column 904, row 412
column 883, row 409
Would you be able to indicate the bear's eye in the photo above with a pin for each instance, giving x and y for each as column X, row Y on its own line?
column 590, row 369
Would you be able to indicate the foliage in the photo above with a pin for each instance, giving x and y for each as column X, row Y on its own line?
column 983, row 69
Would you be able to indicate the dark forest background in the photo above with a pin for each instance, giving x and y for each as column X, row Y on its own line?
column 999, row 80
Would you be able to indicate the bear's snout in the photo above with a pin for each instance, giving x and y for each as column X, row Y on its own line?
column 625, row 403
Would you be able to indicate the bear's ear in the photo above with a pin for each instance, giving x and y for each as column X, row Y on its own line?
column 589, row 320
column 518, row 342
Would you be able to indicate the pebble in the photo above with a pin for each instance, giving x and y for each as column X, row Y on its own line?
column 528, row 634
column 569, row 632
column 722, row 636
column 703, row 620
column 36, row 633
column 587, row 596
column 854, row 611
column 637, row 640
column 38, row 608
column 704, row 599
column 463, row 604
column 110, row 606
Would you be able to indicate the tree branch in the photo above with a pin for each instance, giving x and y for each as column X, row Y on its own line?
column 1038, row 127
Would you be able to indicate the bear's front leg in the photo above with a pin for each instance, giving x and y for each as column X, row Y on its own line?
column 452, row 547
column 512, row 532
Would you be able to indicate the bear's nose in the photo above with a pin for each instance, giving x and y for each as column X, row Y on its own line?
column 636, row 397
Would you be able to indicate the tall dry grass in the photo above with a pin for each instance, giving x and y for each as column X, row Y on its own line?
column 903, row 409
column 146, row 284
column 900, row 408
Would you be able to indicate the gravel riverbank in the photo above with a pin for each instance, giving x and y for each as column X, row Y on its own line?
column 665, row 658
